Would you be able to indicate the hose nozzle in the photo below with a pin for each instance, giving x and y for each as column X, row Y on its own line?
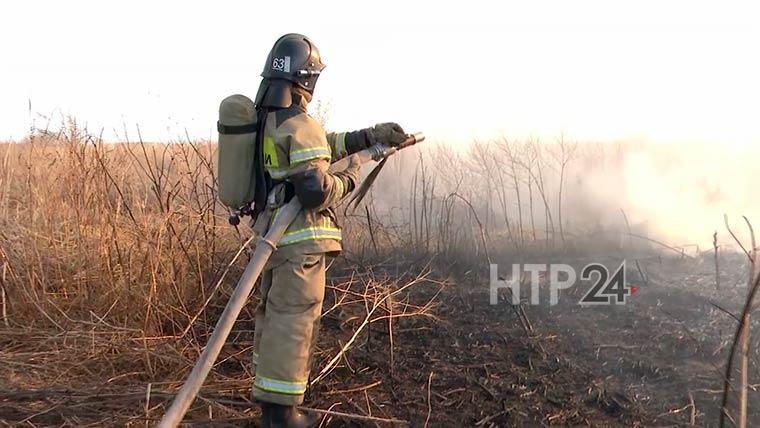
column 412, row 139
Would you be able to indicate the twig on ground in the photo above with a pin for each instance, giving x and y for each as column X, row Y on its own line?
column 372, row 306
column 354, row 416
column 147, row 403
column 490, row 418
column 693, row 417
column 359, row 389
column 726, row 311
column 429, row 403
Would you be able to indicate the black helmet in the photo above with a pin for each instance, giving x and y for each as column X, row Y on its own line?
column 294, row 57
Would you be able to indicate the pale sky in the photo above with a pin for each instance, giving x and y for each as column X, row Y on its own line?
column 601, row 70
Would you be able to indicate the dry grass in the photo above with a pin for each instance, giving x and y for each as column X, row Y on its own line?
column 126, row 233
column 113, row 261
column 106, row 251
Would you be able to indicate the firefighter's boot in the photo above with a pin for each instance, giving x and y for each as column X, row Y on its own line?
column 279, row 416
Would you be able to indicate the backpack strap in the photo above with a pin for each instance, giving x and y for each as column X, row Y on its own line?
column 263, row 180
column 236, row 129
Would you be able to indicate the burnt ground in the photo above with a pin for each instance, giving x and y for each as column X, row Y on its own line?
column 456, row 360
column 656, row 361
column 666, row 349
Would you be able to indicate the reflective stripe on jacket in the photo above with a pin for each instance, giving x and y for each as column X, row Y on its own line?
column 294, row 143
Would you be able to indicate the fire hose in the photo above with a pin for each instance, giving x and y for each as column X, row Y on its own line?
column 264, row 249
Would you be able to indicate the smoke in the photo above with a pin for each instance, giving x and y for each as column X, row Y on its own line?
column 675, row 193
column 682, row 191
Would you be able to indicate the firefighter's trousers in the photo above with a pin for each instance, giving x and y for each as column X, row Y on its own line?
column 287, row 324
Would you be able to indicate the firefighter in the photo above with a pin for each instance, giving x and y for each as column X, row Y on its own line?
column 296, row 155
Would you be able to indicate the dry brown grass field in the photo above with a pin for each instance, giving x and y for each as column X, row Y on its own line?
column 116, row 259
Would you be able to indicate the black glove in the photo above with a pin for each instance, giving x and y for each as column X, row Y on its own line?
column 389, row 133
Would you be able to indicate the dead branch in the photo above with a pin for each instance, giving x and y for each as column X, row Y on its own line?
column 429, row 403
column 742, row 334
column 725, row 220
column 354, row 417
column 717, row 270
column 373, row 302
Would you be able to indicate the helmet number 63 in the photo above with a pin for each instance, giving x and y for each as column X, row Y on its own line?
column 281, row 64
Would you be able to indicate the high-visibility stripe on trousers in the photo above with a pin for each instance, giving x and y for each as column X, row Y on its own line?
column 280, row 386
column 287, row 323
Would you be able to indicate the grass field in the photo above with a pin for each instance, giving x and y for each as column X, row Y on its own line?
column 116, row 260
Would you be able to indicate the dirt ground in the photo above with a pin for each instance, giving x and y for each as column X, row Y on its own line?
column 448, row 358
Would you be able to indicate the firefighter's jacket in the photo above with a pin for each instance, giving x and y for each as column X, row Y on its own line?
column 297, row 150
